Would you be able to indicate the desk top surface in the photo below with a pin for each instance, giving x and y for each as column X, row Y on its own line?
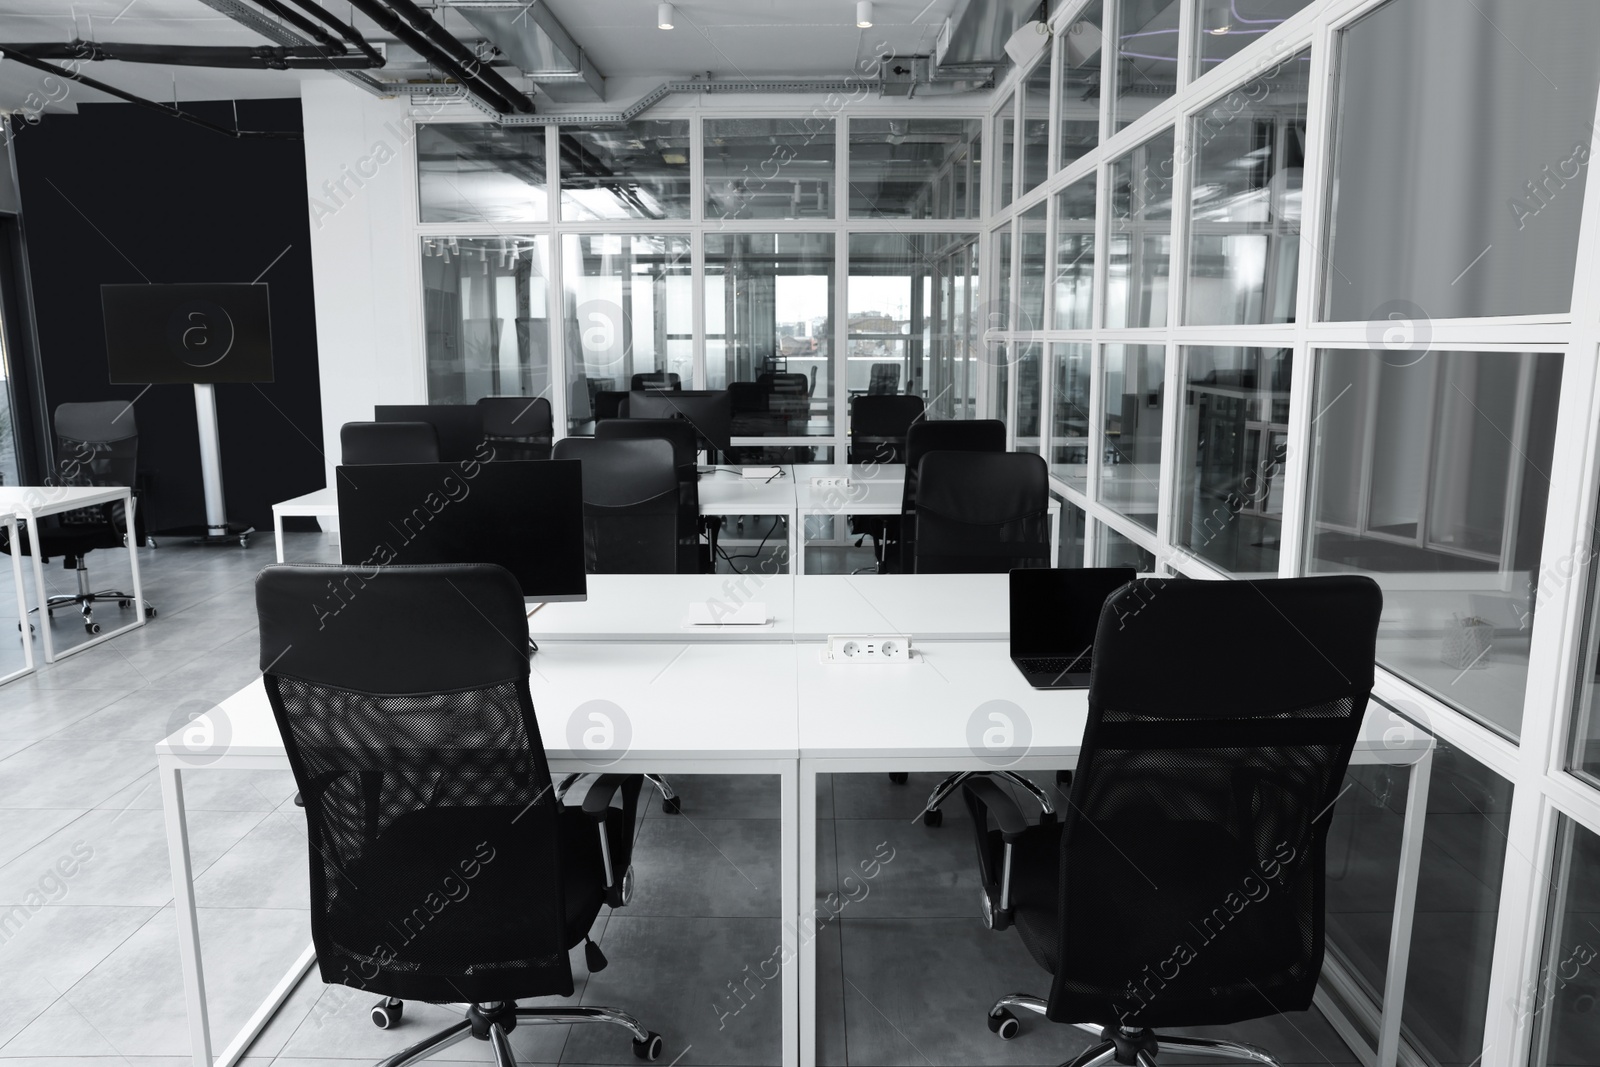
column 24, row 500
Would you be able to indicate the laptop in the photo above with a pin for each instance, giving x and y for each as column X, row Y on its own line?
column 1054, row 615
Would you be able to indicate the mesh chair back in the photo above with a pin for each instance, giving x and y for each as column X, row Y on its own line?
column 656, row 379
column 518, row 427
column 403, row 702
column 362, row 443
column 630, row 504
column 982, row 512
column 1191, row 863
column 681, row 435
column 885, row 379
column 98, row 443
column 949, row 435
column 878, row 427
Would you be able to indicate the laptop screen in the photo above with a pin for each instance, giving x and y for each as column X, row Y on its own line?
column 1054, row 612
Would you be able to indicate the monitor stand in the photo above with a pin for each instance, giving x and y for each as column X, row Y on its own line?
column 218, row 530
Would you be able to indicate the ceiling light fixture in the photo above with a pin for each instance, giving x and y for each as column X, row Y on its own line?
column 663, row 16
column 1220, row 30
column 863, row 14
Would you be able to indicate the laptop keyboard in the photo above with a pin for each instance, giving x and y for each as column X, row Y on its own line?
column 1053, row 664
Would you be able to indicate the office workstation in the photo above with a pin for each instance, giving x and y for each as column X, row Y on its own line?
column 970, row 532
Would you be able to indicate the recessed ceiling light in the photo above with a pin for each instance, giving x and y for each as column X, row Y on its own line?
column 663, row 16
column 1220, row 30
column 864, row 14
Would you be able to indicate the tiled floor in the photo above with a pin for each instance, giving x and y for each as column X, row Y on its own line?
column 88, row 946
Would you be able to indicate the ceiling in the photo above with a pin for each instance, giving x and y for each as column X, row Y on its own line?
column 727, row 38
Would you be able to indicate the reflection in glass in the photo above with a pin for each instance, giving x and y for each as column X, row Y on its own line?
column 1229, row 26
column 1074, row 308
column 1141, row 235
column 486, row 323
column 1005, row 121
column 1477, row 215
column 1563, row 1002
column 1034, row 141
column 1244, row 232
column 1069, row 428
column 998, row 314
column 908, row 328
column 999, row 379
column 1028, row 370
column 1584, row 759
column 915, row 168
column 1070, row 534
column 639, row 170
column 1147, row 58
column 769, row 168
column 1112, row 549
column 1033, row 254
column 1431, row 474
column 481, row 172
column 1458, row 895
column 769, row 327
column 1130, row 469
column 1079, row 100
column 1234, row 442
column 627, row 310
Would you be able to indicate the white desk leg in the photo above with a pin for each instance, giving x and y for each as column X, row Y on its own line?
column 1405, row 908
column 268, row 1008
column 1055, row 537
column 806, row 913
column 797, row 542
column 277, row 532
column 194, row 983
column 133, row 562
column 40, row 592
column 795, row 990
column 14, row 534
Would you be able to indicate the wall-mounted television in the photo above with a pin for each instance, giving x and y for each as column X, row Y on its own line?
column 190, row 334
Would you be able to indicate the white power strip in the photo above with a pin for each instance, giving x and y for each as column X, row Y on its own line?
column 830, row 483
column 869, row 648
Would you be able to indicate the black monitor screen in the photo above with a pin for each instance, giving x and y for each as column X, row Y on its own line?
column 707, row 410
column 527, row 516
column 1055, row 611
column 187, row 334
column 459, row 426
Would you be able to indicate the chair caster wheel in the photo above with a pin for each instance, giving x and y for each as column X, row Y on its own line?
column 244, row 542
column 672, row 805
column 149, row 612
column 386, row 1014
column 933, row 817
column 1005, row 1024
column 1047, row 818
column 91, row 627
column 650, row 1048
column 1064, row 781
column 899, row 777
column 123, row 603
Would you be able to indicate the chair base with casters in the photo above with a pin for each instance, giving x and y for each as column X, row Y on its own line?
column 1123, row 1045
column 492, row 1022
column 671, row 803
column 933, row 814
column 86, row 597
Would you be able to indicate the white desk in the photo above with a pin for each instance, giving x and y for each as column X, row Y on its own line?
column 674, row 709
column 9, row 521
column 655, row 607
column 33, row 503
column 321, row 504
column 929, row 607
column 724, row 493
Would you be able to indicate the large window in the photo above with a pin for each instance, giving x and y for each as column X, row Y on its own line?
column 1032, row 261
column 769, row 168
column 1006, row 139
column 1563, row 1001
column 1146, row 72
column 1078, row 100
column 1029, row 368
column 1130, row 472
column 1034, row 141
column 915, row 168
column 907, row 324
column 486, row 325
column 1227, row 27
column 481, row 172
column 1074, row 308
column 1069, row 428
column 1141, row 235
column 636, row 171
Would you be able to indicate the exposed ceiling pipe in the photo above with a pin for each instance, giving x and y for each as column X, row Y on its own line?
column 342, row 28
column 476, row 79
column 273, row 30
column 444, row 41
column 264, row 57
column 304, row 25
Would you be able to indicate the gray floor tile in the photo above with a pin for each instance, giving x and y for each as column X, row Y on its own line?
column 38, row 776
column 145, row 715
column 209, row 790
column 33, row 714
column 919, row 871
column 691, row 866
column 266, row 869
column 725, row 796
column 57, row 944
column 23, row 828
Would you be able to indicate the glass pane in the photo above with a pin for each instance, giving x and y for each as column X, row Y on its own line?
column 1430, row 474
column 1069, row 430
column 1141, row 235
column 1028, row 390
column 1130, row 468
column 486, row 317
column 1115, row 550
column 1074, row 308
column 1070, row 533
column 1568, row 1031
column 769, row 168
column 627, row 307
column 1079, row 104
column 901, row 319
column 1036, row 125
column 1034, row 252
column 769, row 331
column 1244, row 234
column 636, row 171
column 1448, row 200
column 1005, row 121
column 915, row 168
column 1147, row 58
column 481, row 172
column 998, row 315
column 1584, row 759
column 1234, row 441
column 1000, row 380
column 950, row 382
column 1228, row 26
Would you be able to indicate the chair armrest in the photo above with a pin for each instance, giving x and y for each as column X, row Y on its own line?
column 998, row 803
column 598, row 799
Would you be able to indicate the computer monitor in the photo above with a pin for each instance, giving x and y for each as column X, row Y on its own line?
column 190, row 334
column 459, row 426
column 527, row 516
column 707, row 410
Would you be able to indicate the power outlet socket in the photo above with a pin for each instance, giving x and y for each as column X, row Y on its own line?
column 830, row 483
column 869, row 648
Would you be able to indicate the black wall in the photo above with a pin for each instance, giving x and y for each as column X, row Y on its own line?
column 117, row 193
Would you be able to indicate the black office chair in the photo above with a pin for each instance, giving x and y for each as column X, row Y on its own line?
column 518, row 427
column 692, row 558
column 924, row 436
column 611, row 404
column 1184, row 885
column 443, row 868
column 361, row 443
column 981, row 512
column 96, row 444
column 884, row 380
column 630, row 504
column 656, row 379
column 878, row 429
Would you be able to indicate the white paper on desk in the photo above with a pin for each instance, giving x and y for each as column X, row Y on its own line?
column 761, row 474
column 720, row 613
